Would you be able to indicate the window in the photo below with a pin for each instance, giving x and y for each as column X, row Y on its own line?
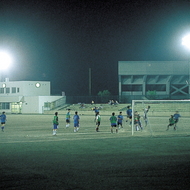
column 5, row 106
column 13, row 89
column 18, row 90
column 47, row 104
column 156, row 87
column 7, row 90
column 1, row 90
column 131, row 88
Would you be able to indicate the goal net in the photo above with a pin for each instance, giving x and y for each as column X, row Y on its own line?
column 158, row 118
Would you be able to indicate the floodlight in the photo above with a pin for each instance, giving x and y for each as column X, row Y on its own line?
column 186, row 41
column 5, row 60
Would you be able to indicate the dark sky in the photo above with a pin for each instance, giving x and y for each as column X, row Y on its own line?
column 59, row 41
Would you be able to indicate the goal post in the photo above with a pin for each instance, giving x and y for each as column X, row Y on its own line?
column 154, row 117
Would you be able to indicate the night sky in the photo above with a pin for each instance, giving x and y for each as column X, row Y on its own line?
column 59, row 41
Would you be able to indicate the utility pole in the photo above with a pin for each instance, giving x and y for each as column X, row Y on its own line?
column 90, row 82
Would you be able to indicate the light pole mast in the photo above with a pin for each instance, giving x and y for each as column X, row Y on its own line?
column 90, row 82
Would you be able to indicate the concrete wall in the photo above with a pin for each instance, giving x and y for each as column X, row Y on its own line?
column 30, row 104
column 26, row 88
column 166, row 77
column 35, row 104
column 153, row 68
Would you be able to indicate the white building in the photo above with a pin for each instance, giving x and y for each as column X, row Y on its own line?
column 27, row 97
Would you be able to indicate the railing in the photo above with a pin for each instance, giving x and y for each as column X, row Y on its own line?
column 55, row 104
column 125, row 99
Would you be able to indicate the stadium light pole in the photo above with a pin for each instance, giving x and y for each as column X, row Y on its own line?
column 5, row 61
column 90, row 82
column 186, row 43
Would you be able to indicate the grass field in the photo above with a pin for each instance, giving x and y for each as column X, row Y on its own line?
column 31, row 158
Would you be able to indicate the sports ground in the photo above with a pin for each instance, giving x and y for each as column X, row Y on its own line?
column 32, row 158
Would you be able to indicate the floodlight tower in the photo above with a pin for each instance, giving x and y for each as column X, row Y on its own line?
column 5, row 61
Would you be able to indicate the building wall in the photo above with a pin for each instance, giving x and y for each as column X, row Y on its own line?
column 25, row 88
column 167, row 78
column 25, row 96
column 43, row 99
column 35, row 104
column 153, row 68
column 30, row 104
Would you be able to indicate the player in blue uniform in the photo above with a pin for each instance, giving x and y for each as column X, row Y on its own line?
column 95, row 111
column 120, row 120
column 129, row 114
column 176, row 118
column 76, row 121
column 3, row 120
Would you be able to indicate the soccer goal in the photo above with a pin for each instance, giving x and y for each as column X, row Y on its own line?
column 161, row 118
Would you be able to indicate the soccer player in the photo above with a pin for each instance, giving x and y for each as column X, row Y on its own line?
column 3, row 120
column 171, row 122
column 129, row 114
column 68, row 118
column 95, row 111
column 137, row 121
column 113, row 120
column 98, row 119
column 176, row 118
column 146, row 115
column 55, row 123
column 76, row 121
column 120, row 120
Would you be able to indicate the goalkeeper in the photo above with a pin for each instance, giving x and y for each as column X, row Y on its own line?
column 146, row 115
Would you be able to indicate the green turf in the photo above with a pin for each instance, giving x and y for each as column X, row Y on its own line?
column 31, row 158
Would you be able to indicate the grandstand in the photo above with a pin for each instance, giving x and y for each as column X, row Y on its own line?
column 157, row 108
column 89, row 109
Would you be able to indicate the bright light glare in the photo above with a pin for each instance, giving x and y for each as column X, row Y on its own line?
column 186, row 41
column 5, row 60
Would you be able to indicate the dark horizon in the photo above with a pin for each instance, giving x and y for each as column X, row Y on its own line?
column 58, row 41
